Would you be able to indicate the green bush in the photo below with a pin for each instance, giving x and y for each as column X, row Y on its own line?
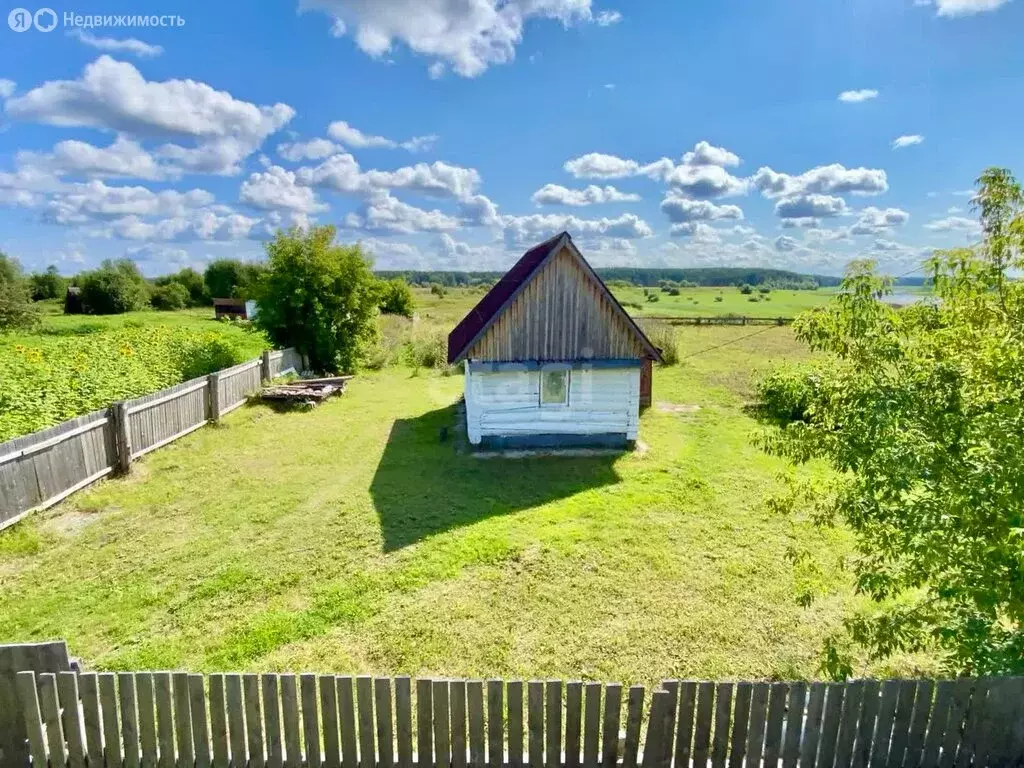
column 719, row 298
column 116, row 287
column 16, row 309
column 653, row 297
column 663, row 336
column 232, row 279
column 746, row 289
column 169, row 297
column 192, row 282
column 48, row 284
column 673, row 291
column 396, row 298
column 785, row 392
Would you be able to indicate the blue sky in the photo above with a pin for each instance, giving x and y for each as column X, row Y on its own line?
column 453, row 134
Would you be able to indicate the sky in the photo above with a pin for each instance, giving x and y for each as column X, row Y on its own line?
column 454, row 134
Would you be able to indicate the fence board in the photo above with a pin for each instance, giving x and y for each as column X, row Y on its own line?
column 684, row 726
column 740, row 721
column 515, row 723
column 883, row 725
column 310, row 720
column 442, row 722
column 272, row 720
column 290, row 721
column 535, row 721
column 848, row 722
column 758, row 723
column 812, row 725
column 424, row 735
column 200, row 731
column 634, row 716
column 937, row 723
column 49, row 708
column 773, row 730
column 183, row 720
column 794, row 725
column 329, row 720
column 385, row 728
column 592, row 725
column 457, row 710
column 866, row 724
column 919, row 722
column 830, row 720
column 973, row 732
column 236, row 719
column 958, row 706
column 111, row 727
column 612, row 718
column 144, row 688
column 720, row 739
column 218, row 722
column 495, row 724
column 573, row 723
column 347, row 716
column 129, row 719
column 26, row 685
column 901, row 723
column 67, row 693
column 657, row 726
column 475, row 696
column 88, row 690
column 553, row 725
column 364, row 710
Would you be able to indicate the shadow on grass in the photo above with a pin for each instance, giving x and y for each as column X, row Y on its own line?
column 423, row 487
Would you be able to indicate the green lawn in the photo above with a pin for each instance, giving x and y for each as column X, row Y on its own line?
column 352, row 539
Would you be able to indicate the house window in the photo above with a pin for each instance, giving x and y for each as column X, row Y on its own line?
column 554, row 387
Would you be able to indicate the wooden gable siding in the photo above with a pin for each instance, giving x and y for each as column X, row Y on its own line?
column 560, row 314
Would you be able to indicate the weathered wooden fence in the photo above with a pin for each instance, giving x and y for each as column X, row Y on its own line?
column 717, row 320
column 41, row 469
column 182, row 719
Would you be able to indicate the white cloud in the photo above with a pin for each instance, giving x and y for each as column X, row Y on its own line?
column 111, row 45
column 901, row 142
column 607, row 18
column 353, row 138
column 276, row 190
column 955, row 224
column 468, row 35
column 874, row 221
column 799, row 223
column 596, row 165
column 6, row 88
column 554, row 194
column 456, row 255
column 525, row 230
column 967, row 7
column 479, row 211
column 113, row 96
column 341, row 173
column 707, row 154
column 682, row 210
column 79, row 203
column 314, row 149
column 855, row 97
column 198, row 225
column 825, row 179
column 385, row 213
column 811, row 206
column 785, row 244
column 706, row 181
column 124, row 158
column 697, row 231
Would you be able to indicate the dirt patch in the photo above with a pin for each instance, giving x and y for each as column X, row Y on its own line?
column 71, row 522
column 677, row 408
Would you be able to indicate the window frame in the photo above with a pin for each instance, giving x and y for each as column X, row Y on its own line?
column 563, row 403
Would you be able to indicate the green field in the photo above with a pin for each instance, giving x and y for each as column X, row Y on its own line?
column 352, row 538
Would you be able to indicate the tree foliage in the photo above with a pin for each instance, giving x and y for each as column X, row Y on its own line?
column 231, row 279
column 193, row 283
column 396, row 298
column 170, row 296
column 921, row 412
column 16, row 310
column 318, row 297
column 114, row 288
column 48, row 284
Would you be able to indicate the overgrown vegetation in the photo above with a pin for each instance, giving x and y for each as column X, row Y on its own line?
column 116, row 287
column 663, row 336
column 921, row 412
column 318, row 297
column 396, row 298
column 16, row 310
column 55, row 378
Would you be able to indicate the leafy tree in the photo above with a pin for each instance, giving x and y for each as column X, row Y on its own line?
column 16, row 310
column 746, row 289
column 116, row 287
column 396, row 298
column 921, row 412
column 318, row 297
column 170, row 296
column 48, row 284
column 232, row 279
column 192, row 281
column 438, row 290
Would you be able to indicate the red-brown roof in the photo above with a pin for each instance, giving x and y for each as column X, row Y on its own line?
column 488, row 308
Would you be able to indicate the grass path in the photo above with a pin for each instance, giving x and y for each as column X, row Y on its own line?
column 351, row 538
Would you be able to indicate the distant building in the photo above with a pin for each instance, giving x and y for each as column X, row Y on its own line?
column 73, row 301
column 551, row 358
column 237, row 309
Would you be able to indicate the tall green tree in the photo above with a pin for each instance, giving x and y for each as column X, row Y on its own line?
column 116, row 287
column 191, row 281
column 16, row 309
column 48, row 284
column 319, row 297
column 232, row 279
column 921, row 413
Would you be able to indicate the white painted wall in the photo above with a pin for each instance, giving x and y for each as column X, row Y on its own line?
column 601, row 400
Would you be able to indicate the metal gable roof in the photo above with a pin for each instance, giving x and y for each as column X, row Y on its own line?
column 487, row 310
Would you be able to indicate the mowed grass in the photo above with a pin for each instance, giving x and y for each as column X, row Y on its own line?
column 352, row 538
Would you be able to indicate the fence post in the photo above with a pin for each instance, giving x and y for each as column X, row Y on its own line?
column 15, row 658
column 122, row 437
column 213, row 396
column 265, row 366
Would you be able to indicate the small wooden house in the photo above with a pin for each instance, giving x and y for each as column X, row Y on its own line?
column 551, row 358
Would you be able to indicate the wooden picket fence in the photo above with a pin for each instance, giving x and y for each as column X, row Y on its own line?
column 45, row 467
column 181, row 719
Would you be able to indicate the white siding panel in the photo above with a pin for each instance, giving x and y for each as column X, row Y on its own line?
column 601, row 400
